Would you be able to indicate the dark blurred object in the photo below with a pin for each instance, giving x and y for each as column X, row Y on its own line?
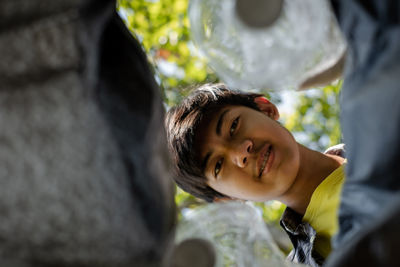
column 258, row 13
column 370, row 116
column 370, row 111
column 193, row 252
column 376, row 245
column 84, row 177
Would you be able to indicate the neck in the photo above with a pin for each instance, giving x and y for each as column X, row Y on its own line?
column 314, row 168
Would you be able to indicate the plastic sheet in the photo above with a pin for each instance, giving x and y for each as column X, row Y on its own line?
column 303, row 41
column 238, row 233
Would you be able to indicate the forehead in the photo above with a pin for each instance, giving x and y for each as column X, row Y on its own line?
column 207, row 127
column 213, row 121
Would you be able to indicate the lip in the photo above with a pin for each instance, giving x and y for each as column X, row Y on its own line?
column 270, row 161
column 260, row 161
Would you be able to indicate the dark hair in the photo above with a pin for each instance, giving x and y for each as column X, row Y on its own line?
column 182, row 124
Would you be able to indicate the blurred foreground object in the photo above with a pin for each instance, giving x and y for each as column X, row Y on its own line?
column 370, row 120
column 298, row 41
column 238, row 233
column 375, row 245
column 84, row 177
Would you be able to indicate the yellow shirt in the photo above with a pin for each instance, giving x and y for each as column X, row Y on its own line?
column 322, row 210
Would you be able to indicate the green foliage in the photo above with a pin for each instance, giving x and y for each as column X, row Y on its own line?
column 162, row 27
column 184, row 200
column 316, row 118
column 271, row 211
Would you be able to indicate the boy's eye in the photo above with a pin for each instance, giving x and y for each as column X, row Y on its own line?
column 233, row 126
column 218, row 167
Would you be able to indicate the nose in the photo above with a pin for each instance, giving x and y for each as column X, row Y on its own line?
column 241, row 153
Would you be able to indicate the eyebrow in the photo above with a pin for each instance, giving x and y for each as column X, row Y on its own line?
column 205, row 161
column 220, row 121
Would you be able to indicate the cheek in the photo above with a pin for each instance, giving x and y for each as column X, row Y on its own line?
column 231, row 184
column 222, row 187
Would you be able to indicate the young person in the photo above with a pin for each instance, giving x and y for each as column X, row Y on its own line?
column 228, row 144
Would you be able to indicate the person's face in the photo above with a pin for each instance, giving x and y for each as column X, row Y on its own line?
column 248, row 154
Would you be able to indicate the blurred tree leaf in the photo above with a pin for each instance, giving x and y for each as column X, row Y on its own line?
column 315, row 120
column 163, row 29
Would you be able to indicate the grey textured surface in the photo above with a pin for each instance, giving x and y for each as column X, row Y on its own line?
column 370, row 113
column 21, row 12
column 67, row 196
column 64, row 193
column 36, row 52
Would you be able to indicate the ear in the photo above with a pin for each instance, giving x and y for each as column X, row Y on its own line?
column 267, row 107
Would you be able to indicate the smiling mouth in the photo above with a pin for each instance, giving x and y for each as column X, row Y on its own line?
column 264, row 163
